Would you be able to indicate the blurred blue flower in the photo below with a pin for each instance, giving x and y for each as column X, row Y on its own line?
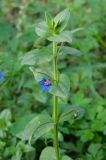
column 1, row 75
column 45, row 84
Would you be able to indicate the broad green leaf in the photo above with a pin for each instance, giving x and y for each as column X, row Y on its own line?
column 94, row 148
column 21, row 124
column 64, row 36
column 97, row 125
column 29, row 58
column 40, row 96
column 62, row 88
column 66, row 158
column 41, row 72
column 79, row 100
column 69, row 112
column 42, row 29
column 25, row 127
column 46, row 125
column 5, row 114
column 48, row 154
column 61, row 20
column 69, row 50
column 37, row 57
column 85, row 135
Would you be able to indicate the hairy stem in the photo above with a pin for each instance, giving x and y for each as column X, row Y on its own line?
column 55, row 105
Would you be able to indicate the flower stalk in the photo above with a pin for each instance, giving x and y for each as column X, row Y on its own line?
column 55, row 104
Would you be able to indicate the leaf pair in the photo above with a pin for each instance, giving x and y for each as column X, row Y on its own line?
column 53, row 29
column 32, row 126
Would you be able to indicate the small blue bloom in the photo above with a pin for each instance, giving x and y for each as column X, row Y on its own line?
column 45, row 84
column 1, row 75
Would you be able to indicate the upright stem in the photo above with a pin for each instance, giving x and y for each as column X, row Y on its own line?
column 55, row 105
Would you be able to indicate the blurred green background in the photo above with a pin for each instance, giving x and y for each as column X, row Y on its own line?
column 83, row 139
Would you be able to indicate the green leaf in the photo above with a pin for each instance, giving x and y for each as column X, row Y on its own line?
column 61, row 20
column 42, row 29
column 76, row 30
column 66, row 158
column 62, row 88
column 49, row 20
column 5, row 121
column 43, row 129
column 21, row 148
column 79, row 100
column 48, row 154
column 37, row 56
column 97, row 125
column 69, row 50
column 29, row 58
column 21, row 125
column 94, row 148
column 40, row 96
column 41, row 72
column 85, row 135
column 36, row 125
column 6, row 115
column 64, row 36
column 69, row 112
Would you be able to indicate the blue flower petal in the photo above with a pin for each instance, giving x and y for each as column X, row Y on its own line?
column 48, row 88
column 45, row 86
column 1, row 75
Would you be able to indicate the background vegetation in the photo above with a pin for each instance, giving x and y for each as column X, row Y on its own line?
column 82, row 138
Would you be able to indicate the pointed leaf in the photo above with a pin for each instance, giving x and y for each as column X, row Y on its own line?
column 62, row 19
column 41, row 72
column 43, row 129
column 69, row 50
column 37, row 56
column 62, row 88
column 49, row 20
column 76, row 30
column 64, row 36
column 69, row 112
column 42, row 29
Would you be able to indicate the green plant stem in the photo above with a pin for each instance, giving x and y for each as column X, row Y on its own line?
column 55, row 105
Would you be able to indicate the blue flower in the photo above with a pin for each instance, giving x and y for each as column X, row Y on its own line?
column 1, row 75
column 45, row 84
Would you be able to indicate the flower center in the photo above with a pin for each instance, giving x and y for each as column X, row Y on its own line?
column 46, row 83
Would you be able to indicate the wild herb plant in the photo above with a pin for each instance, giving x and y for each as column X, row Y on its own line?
column 50, row 79
column 83, row 139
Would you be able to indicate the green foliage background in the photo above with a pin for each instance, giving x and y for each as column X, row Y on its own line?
column 83, row 138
